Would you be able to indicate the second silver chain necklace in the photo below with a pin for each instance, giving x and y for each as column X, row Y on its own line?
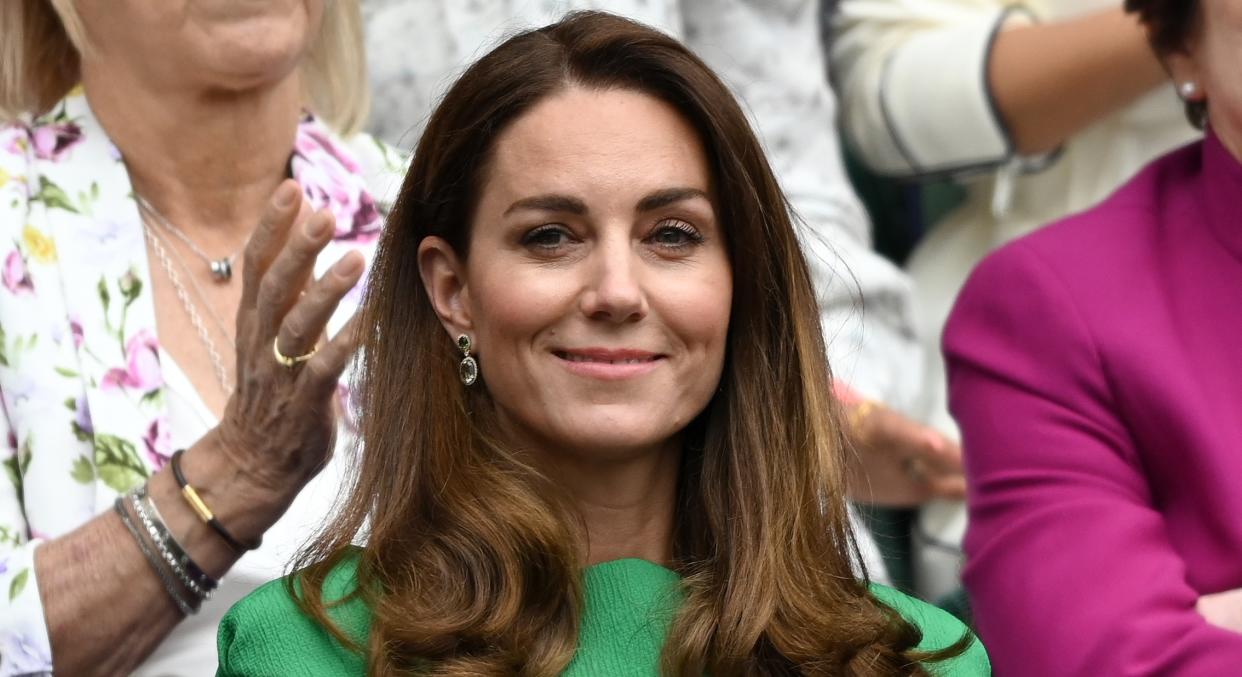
column 221, row 268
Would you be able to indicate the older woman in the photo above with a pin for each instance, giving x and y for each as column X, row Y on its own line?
column 604, row 437
column 124, row 206
column 1094, row 371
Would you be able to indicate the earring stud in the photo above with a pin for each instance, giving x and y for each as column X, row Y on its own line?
column 1188, row 89
column 468, row 370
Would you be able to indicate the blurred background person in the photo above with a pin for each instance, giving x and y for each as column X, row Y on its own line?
column 1039, row 108
column 1094, row 370
column 143, row 144
column 771, row 55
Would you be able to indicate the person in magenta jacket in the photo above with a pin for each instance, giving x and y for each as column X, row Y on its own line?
column 1095, row 370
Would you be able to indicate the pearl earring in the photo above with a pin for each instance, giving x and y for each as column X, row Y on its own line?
column 1188, row 90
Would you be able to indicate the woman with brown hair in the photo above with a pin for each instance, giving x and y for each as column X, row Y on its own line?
column 601, row 436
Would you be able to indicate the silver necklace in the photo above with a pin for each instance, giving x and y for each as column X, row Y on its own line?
column 221, row 268
column 202, row 296
column 196, row 320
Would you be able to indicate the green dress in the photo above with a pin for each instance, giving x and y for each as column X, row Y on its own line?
column 629, row 604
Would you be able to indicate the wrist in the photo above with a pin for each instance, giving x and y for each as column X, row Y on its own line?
column 243, row 506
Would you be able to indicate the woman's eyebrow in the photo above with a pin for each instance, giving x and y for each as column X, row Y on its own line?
column 668, row 196
column 571, row 205
column 550, row 203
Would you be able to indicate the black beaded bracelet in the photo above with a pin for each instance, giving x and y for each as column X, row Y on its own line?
column 170, row 585
column 204, row 513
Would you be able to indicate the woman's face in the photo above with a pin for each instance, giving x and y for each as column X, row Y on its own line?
column 1213, row 61
column 598, row 286
column 209, row 44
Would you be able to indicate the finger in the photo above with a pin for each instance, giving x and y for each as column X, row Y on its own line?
column 282, row 211
column 305, row 322
column 323, row 371
column 292, row 270
column 951, row 487
column 913, row 439
column 943, row 449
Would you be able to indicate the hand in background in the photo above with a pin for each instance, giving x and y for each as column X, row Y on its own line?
column 897, row 462
column 1222, row 609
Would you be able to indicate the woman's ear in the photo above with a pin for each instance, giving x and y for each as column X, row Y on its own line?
column 444, row 278
column 1184, row 66
column 1188, row 78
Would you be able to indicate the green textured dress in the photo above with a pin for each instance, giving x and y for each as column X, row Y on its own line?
column 629, row 605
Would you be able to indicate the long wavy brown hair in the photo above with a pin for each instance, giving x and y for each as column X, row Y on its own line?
column 473, row 558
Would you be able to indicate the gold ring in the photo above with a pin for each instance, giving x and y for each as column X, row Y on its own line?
column 287, row 361
column 859, row 413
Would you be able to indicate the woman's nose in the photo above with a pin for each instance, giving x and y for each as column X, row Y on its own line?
column 613, row 291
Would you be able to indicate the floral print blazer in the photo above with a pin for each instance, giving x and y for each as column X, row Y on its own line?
column 81, row 390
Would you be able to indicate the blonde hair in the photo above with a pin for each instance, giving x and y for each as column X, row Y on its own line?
column 41, row 40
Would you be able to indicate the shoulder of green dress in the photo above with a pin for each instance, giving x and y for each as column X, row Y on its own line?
column 268, row 633
column 940, row 630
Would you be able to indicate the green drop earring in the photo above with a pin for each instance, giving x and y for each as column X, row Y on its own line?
column 468, row 370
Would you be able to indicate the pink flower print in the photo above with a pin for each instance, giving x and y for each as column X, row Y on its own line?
column 82, row 418
column 14, row 140
column 330, row 178
column 53, row 141
column 16, row 277
column 347, row 408
column 75, row 328
column 142, row 369
column 313, row 137
column 158, row 443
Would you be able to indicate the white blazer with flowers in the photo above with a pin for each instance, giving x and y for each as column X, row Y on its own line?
column 81, row 389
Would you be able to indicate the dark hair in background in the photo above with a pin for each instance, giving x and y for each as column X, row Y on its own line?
column 473, row 558
column 1170, row 25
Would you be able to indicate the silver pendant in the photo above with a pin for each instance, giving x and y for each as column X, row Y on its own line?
column 222, row 270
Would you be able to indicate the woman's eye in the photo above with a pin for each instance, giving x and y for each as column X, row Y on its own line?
column 547, row 237
column 675, row 234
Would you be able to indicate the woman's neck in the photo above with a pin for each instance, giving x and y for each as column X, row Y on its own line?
column 627, row 501
column 628, row 508
column 208, row 161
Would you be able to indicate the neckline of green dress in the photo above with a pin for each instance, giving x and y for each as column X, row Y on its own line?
column 630, row 564
column 629, row 605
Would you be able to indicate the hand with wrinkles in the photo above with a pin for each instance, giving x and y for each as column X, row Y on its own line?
column 279, row 426
column 277, row 431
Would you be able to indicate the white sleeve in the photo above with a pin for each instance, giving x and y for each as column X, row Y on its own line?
column 913, row 78
column 25, row 647
column 770, row 53
column 24, row 644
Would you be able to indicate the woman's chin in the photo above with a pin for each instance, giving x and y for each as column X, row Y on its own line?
column 609, row 444
column 249, row 68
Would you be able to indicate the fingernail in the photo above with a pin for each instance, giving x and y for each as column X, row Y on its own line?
column 316, row 224
column 348, row 266
column 285, row 194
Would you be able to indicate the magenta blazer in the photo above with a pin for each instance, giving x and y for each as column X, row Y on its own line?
column 1095, row 368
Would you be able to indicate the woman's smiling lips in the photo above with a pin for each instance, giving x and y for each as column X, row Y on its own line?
column 608, row 364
